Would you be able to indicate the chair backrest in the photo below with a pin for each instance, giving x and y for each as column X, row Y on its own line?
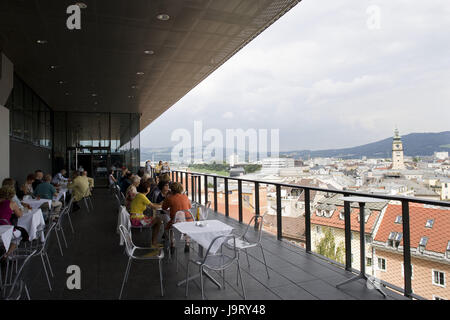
column 223, row 239
column 180, row 216
column 256, row 236
column 129, row 245
column 125, row 217
column 208, row 204
column 18, row 284
column 46, row 242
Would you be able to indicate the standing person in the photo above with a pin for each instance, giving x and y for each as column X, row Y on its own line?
column 111, row 178
column 165, row 169
column 158, row 169
column 137, row 207
column 126, row 182
column 38, row 175
column 148, row 167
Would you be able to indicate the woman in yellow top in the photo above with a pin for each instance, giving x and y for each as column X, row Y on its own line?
column 137, row 208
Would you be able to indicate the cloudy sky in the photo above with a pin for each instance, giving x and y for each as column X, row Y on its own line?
column 329, row 74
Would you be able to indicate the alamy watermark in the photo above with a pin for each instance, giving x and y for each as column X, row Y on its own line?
column 251, row 144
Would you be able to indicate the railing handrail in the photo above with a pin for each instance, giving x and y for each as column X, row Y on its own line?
column 353, row 193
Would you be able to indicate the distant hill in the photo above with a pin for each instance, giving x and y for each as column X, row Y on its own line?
column 414, row 144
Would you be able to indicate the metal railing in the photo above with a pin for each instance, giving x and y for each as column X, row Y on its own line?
column 181, row 176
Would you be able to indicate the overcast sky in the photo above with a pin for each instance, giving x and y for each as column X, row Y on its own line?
column 327, row 77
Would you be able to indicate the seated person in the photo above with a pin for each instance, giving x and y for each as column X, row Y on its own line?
column 79, row 187
column 125, row 182
column 8, row 210
column 59, row 178
column 38, row 175
column 177, row 201
column 132, row 191
column 46, row 190
column 10, row 182
column 161, row 192
column 137, row 208
column 27, row 188
column 112, row 180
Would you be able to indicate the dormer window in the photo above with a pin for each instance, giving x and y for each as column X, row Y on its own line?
column 429, row 223
column 398, row 219
column 341, row 215
column 391, row 238
column 319, row 213
column 447, row 252
column 422, row 244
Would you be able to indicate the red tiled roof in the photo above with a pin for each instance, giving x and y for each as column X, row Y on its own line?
column 293, row 227
column 438, row 236
column 335, row 222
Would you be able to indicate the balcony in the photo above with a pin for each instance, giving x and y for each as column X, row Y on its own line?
column 294, row 273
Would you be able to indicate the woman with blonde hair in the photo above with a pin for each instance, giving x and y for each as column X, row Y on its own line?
column 132, row 191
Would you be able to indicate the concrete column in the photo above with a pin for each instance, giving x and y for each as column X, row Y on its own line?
column 6, row 84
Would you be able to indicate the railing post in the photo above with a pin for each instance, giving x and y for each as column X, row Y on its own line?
column 176, row 176
column 192, row 188
column 240, row 199
column 172, row 174
column 206, row 189
column 279, row 212
column 348, row 235
column 307, row 220
column 199, row 182
column 227, row 210
column 181, row 178
column 257, row 213
column 406, row 248
column 362, row 240
column 215, row 194
column 187, row 183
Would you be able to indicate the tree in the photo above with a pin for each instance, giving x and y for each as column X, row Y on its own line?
column 327, row 247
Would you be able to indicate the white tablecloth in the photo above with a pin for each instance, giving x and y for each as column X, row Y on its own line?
column 61, row 194
column 123, row 219
column 32, row 221
column 6, row 233
column 204, row 235
column 36, row 204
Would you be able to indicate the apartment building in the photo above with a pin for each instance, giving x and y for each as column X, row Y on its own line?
column 430, row 250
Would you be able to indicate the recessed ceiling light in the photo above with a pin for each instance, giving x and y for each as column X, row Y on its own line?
column 140, row 73
column 82, row 5
column 163, row 17
column 134, row 87
column 67, row 94
column 94, row 94
column 42, row 41
column 130, row 97
column 149, row 52
column 53, row 67
column 61, row 82
column 95, row 102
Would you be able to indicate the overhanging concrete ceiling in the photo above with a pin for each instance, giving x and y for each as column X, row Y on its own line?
column 95, row 69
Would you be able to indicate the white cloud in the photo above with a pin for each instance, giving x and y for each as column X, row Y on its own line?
column 326, row 80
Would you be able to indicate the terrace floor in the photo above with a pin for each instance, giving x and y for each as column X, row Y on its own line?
column 294, row 274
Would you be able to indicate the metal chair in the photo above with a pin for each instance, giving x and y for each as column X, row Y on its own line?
column 18, row 285
column 244, row 242
column 140, row 253
column 59, row 228
column 41, row 251
column 179, row 217
column 217, row 262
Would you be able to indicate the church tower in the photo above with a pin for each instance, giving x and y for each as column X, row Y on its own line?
column 397, row 152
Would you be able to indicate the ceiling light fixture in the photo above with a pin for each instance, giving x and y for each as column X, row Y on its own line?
column 42, row 41
column 163, row 17
column 140, row 73
column 61, row 82
column 149, row 52
column 94, row 94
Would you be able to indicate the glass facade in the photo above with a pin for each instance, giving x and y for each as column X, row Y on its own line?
column 30, row 116
column 96, row 141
